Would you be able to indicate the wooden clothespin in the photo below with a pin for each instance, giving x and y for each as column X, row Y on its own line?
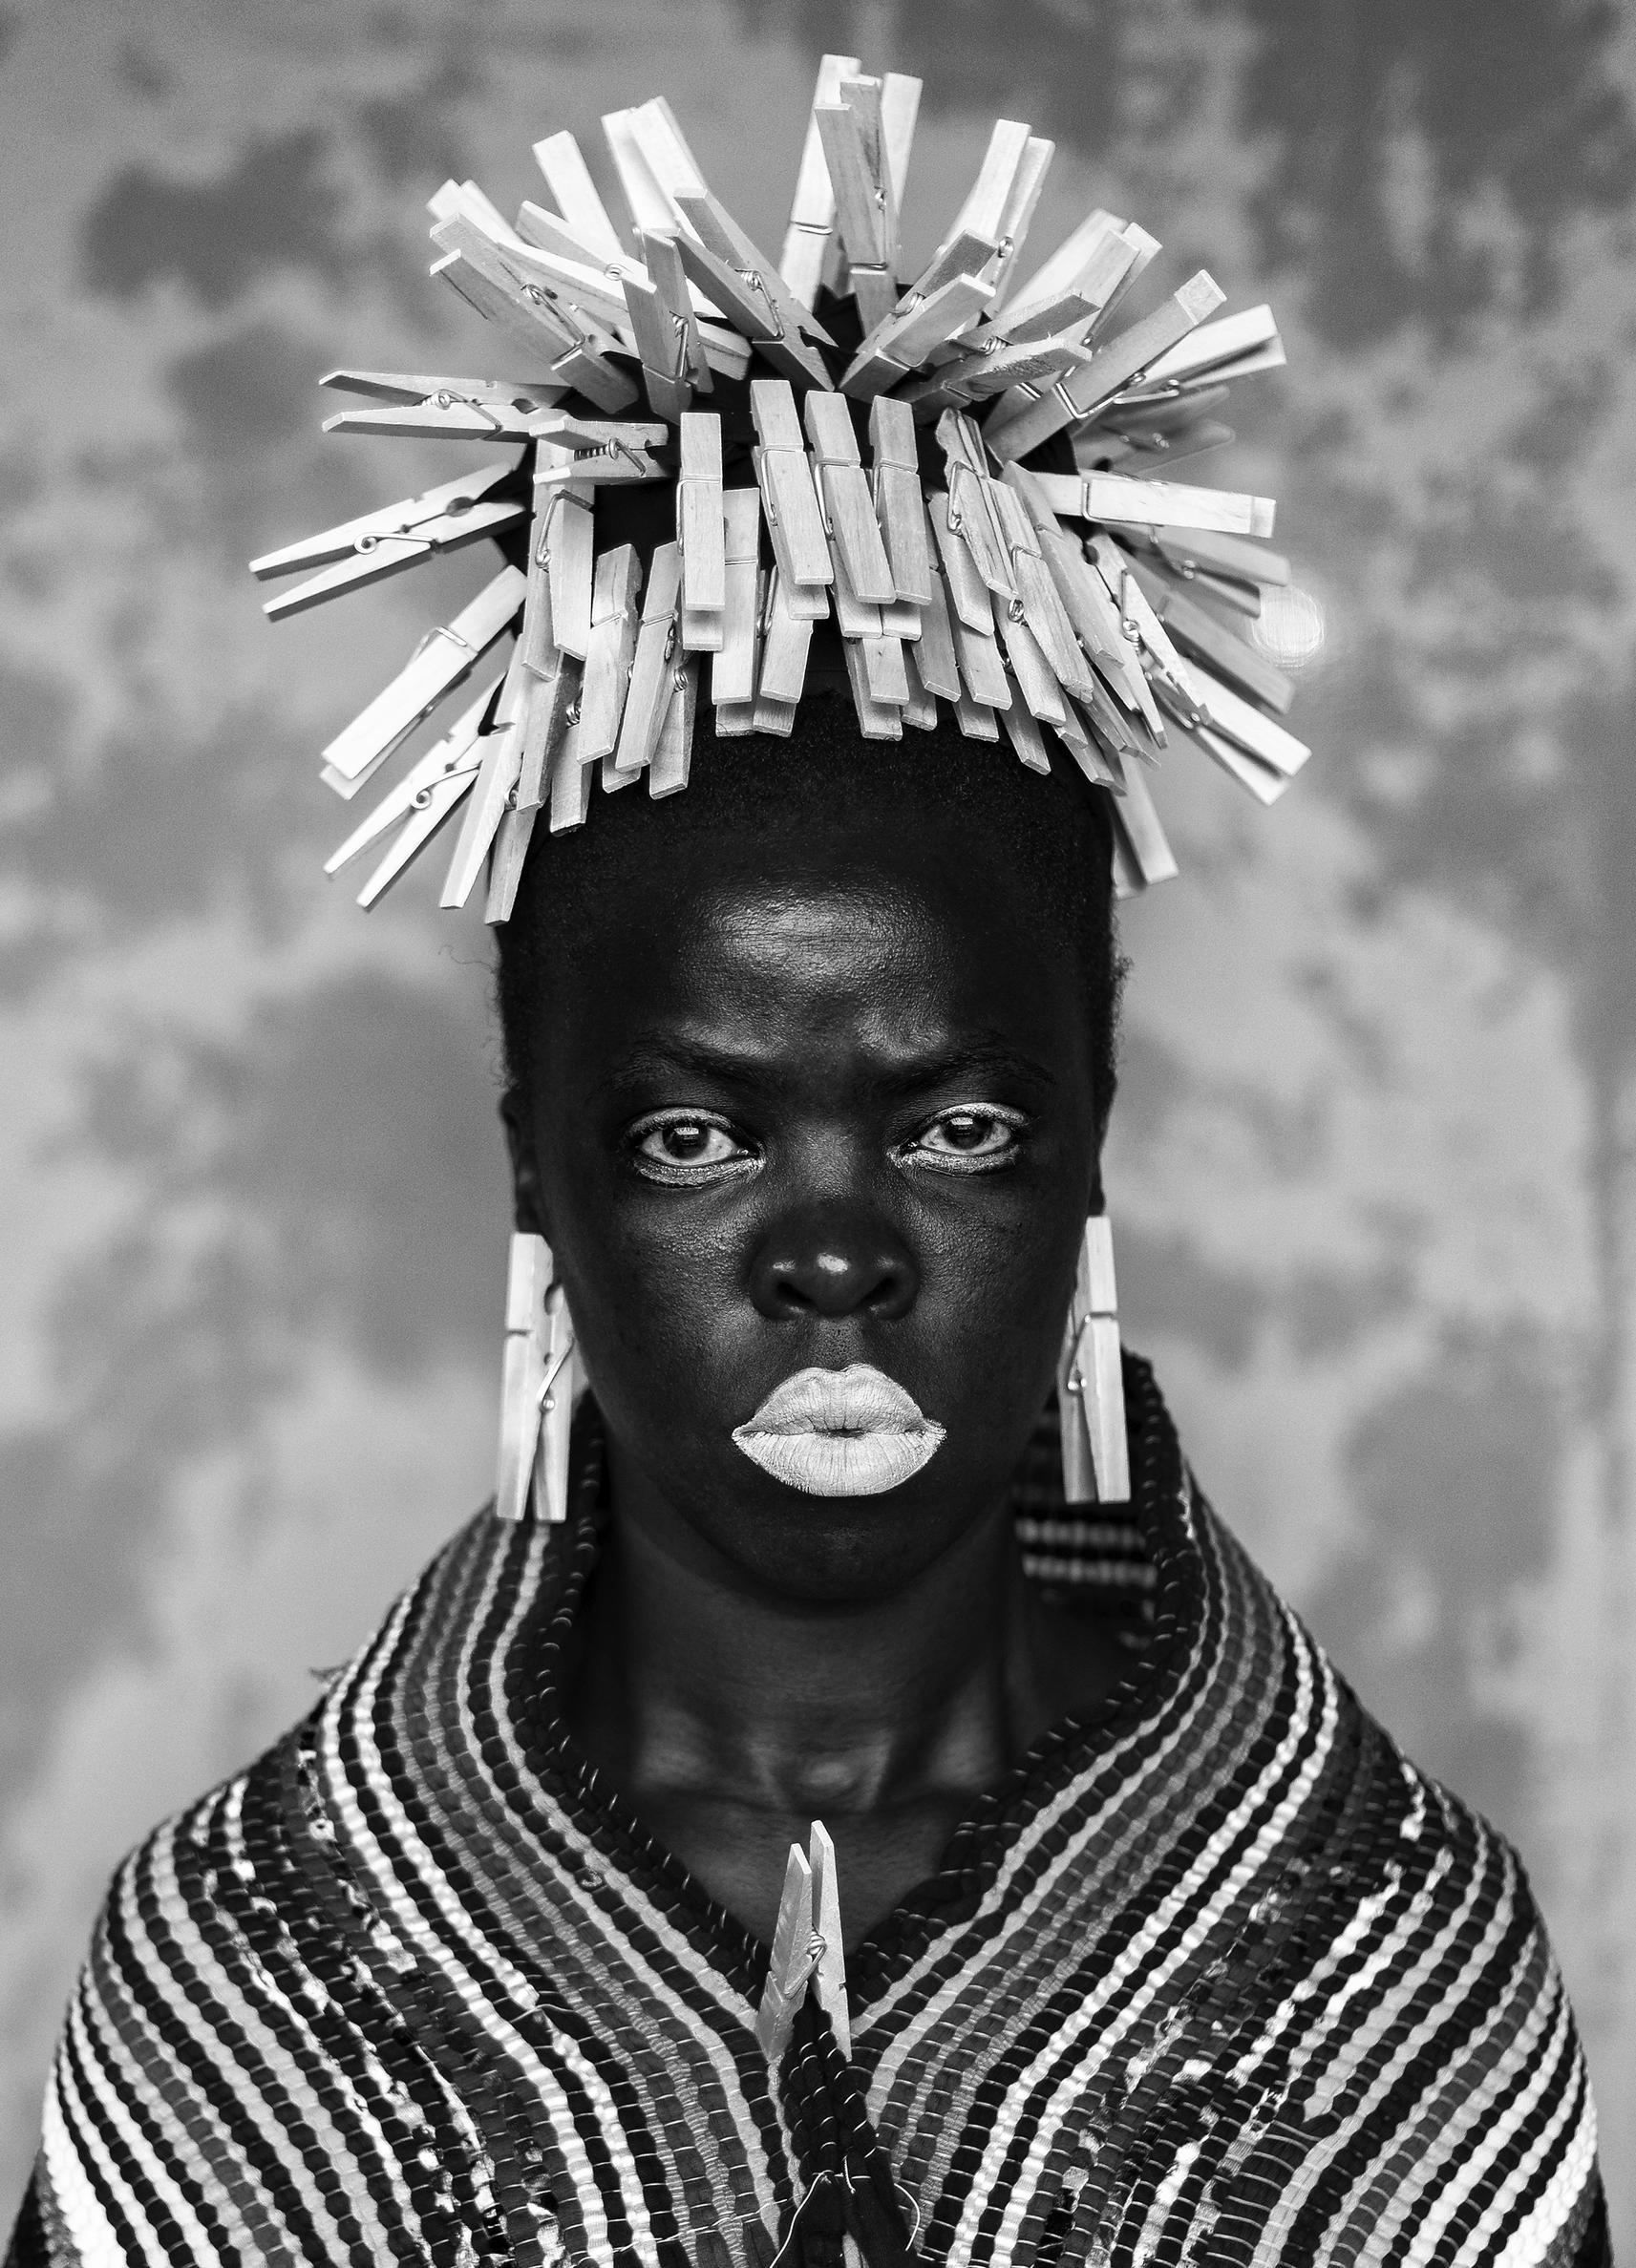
column 854, row 137
column 434, row 804
column 848, row 507
column 1001, row 203
column 535, row 640
column 1034, row 677
column 1024, row 733
column 603, row 451
column 1084, row 748
column 900, row 113
column 722, row 261
column 571, row 782
column 1265, row 784
column 785, row 639
column 396, row 536
column 1022, row 420
column 547, row 718
column 1117, row 499
column 899, row 505
column 557, row 1394
column 667, row 333
column 829, row 1977
column 971, row 379
column 701, row 531
column 920, row 709
column 498, row 280
column 1142, row 855
column 1227, row 558
column 811, row 252
column 1064, row 288
column 920, row 322
column 795, row 521
column 443, row 657
column 1235, row 347
column 673, row 750
column 1132, row 685
column 1096, row 1460
column 967, row 592
column 437, row 407
column 601, row 288
column 973, row 514
column 494, row 790
column 976, row 721
column 1154, row 421
column 559, row 159
column 972, row 246
column 807, row 259
column 1043, row 612
column 548, row 706
column 971, row 615
column 565, row 546
column 453, row 754
column 1113, row 727
column 1143, row 622
column 615, row 619
column 935, row 660
column 1201, row 633
column 527, row 1340
column 466, row 197
column 647, row 699
column 795, row 1958
column 807, row 1949
column 506, row 854
column 1239, row 720
column 865, row 664
column 1079, row 286
column 1106, row 447
column 872, row 645
column 734, row 667
column 550, row 737
column 548, row 256
column 1094, row 617
column 633, row 153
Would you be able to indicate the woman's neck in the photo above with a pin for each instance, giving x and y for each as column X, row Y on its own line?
column 730, row 1718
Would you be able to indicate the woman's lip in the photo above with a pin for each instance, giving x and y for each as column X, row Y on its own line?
column 856, row 1399
column 852, row 1433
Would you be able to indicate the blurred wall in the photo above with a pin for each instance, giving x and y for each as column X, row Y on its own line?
column 1376, row 1159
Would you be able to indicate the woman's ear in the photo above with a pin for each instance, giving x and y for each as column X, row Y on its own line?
column 528, row 1208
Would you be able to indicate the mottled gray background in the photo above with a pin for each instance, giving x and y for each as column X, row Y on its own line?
column 1373, row 1174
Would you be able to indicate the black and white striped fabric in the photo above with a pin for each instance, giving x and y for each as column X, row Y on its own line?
column 1215, row 1976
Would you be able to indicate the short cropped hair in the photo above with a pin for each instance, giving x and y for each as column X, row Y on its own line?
column 1053, row 834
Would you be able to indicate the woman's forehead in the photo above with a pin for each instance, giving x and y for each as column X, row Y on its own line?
column 895, row 948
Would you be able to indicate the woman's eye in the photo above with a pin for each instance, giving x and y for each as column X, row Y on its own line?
column 686, row 1147
column 968, row 1138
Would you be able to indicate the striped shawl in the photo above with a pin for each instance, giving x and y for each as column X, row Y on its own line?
column 1215, row 1976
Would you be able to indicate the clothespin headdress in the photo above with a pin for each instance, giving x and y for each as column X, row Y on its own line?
column 722, row 455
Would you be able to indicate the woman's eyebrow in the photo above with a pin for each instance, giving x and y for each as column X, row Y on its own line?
column 755, row 1068
column 976, row 1060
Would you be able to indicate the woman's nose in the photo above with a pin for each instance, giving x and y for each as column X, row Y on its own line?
column 830, row 1262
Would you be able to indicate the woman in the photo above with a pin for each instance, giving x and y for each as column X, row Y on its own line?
column 1113, row 1930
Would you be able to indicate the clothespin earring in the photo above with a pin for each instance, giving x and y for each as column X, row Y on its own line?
column 537, row 1389
column 1091, row 1394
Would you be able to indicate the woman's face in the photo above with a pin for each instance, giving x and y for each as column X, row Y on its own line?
column 845, row 1118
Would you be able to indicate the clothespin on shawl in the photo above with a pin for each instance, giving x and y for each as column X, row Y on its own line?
column 806, row 1949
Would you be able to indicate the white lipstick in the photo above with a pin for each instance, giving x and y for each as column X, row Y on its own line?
column 852, row 1433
